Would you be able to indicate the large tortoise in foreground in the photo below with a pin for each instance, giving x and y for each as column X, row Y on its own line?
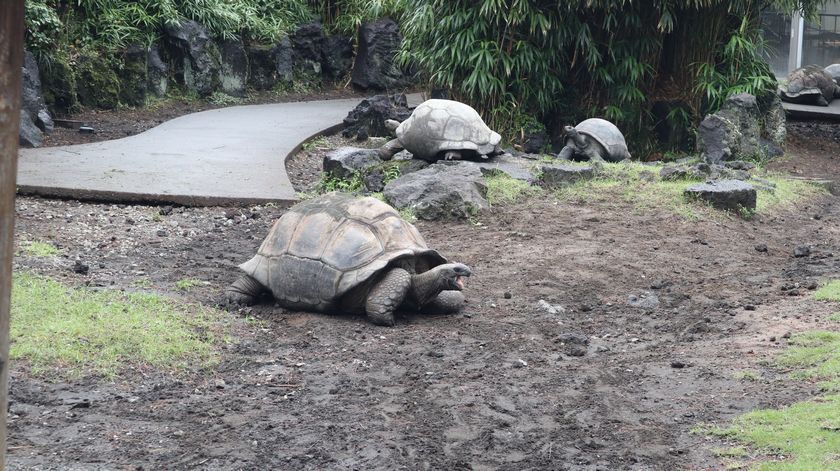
column 339, row 253
column 810, row 85
column 442, row 129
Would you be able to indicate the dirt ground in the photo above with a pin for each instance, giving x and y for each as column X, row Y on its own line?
column 645, row 321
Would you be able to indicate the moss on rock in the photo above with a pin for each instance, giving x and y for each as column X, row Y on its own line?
column 97, row 83
column 58, row 83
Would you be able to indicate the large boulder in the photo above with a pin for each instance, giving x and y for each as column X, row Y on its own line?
column 133, row 75
column 735, row 132
column 233, row 73
column 96, row 81
column 337, row 56
column 440, row 191
column 58, row 84
column 157, row 72
column 732, row 195
column 307, row 48
column 284, row 65
column 196, row 56
column 375, row 66
column 34, row 117
column 368, row 117
column 29, row 135
column 345, row 161
column 560, row 175
column 262, row 67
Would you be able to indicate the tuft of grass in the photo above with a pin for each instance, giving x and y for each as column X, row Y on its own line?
column 830, row 291
column 503, row 189
column 223, row 99
column 747, row 376
column 318, row 143
column 329, row 183
column 408, row 214
column 40, row 249
column 186, row 284
column 74, row 332
column 834, row 317
column 805, row 434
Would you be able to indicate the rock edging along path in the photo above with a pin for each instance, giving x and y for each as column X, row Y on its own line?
column 226, row 156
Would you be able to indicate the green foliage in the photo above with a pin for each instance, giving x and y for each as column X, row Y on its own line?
column 42, row 27
column 345, row 16
column 583, row 58
column 329, row 183
column 829, row 291
column 74, row 332
column 318, row 143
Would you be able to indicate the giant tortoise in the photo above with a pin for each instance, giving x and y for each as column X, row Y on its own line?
column 810, row 85
column 442, row 129
column 340, row 253
column 595, row 139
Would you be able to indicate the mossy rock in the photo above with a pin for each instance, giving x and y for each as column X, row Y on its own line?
column 97, row 82
column 133, row 76
column 58, row 84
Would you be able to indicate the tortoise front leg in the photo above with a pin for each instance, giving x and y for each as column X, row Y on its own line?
column 386, row 296
column 244, row 291
column 390, row 149
column 452, row 155
column 567, row 153
column 447, row 302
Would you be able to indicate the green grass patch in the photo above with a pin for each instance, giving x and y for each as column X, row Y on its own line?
column 503, row 189
column 73, row 332
column 223, row 99
column 834, row 317
column 39, row 249
column 816, row 356
column 186, row 284
column 829, row 291
column 640, row 185
column 807, row 434
column 318, row 143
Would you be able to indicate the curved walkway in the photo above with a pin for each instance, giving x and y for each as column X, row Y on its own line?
column 218, row 157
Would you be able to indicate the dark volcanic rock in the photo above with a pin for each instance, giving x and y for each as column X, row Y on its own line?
column 133, row 76
column 375, row 66
column 29, row 135
column 97, row 83
column 440, row 191
column 337, row 56
column 34, row 117
column 742, row 129
column 262, row 67
column 197, row 58
column 157, row 72
column 369, row 116
column 344, row 162
column 307, row 48
column 284, row 64
column 725, row 194
column 559, row 175
column 233, row 72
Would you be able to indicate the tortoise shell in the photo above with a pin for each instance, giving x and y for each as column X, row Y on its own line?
column 607, row 135
column 807, row 84
column 323, row 248
column 441, row 125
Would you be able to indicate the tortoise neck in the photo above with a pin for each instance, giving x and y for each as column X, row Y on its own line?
column 580, row 142
column 425, row 286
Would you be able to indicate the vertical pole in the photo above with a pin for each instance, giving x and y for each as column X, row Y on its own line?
column 11, row 61
column 797, row 30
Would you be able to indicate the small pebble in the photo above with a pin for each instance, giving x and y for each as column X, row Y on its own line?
column 507, row 295
column 761, row 248
column 677, row 364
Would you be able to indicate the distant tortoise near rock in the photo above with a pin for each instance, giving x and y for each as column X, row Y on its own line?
column 834, row 71
column 340, row 253
column 442, row 130
column 810, row 85
column 596, row 140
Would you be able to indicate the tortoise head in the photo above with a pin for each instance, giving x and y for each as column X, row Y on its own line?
column 574, row 135
column 452, row 275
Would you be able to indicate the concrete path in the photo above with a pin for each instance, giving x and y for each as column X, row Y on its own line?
column 832, row 111
column 228, row 156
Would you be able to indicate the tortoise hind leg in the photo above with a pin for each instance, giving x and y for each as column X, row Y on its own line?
column 244, row 291
column 386, row 296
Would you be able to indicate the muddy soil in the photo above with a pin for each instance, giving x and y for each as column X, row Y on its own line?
column 596, row 337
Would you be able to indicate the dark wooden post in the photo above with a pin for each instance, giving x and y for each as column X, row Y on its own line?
column 11, row 60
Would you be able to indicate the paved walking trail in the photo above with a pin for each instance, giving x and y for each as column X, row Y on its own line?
column 227, row 156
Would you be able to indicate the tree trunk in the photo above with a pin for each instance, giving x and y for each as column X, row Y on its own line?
column 11, row 61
